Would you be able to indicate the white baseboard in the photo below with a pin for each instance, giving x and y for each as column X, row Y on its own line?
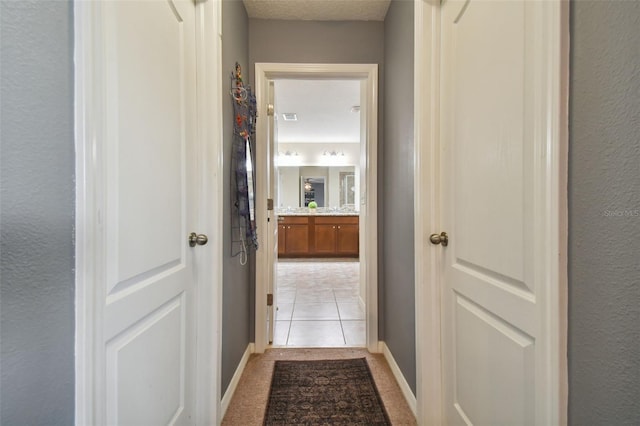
column 404, row 386
column 226, row 399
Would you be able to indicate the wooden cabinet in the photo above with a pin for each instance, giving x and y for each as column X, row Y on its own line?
column 318, row 236
column 347, row 240
column 324, row 239
column 293, row 235
column 336, row 235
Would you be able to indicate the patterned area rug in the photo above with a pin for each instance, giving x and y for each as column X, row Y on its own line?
column 325, row 392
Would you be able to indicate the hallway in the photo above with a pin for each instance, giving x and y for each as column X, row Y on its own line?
column 318, row 304
column 249, row 401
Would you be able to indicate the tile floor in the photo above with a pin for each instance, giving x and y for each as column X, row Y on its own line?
column 318, row 304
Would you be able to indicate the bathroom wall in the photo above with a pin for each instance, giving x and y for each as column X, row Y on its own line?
column 37, row 213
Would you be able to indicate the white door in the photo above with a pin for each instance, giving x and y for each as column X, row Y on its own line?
column 497, row 147
column 272, row 231
column 146, row 320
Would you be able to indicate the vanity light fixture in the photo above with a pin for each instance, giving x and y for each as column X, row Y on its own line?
column 333, row 153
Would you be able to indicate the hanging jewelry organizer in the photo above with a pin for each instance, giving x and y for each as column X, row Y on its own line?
column 243, row 222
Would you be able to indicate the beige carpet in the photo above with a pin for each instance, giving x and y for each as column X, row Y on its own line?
column 248, row 404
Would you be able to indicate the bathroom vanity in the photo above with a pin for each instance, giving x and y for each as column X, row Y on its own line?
column 327, row 234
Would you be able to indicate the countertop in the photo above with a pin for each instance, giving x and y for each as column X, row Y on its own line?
column 319, row 212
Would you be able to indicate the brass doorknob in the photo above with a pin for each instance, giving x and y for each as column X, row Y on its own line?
column 197, row 239
column 441, row 238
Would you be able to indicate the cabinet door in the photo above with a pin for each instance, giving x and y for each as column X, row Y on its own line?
column 347, row 240
column 282, row 239
column 325, row 239
column 297, row 239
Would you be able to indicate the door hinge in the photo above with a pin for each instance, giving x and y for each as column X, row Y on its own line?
column 269, row 203
column 270, row 299
column 270, row 110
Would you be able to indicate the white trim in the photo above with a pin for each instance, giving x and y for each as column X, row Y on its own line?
column 426, row 212
column 233, row 384
column 402, row 382
column 209, row 294
column 88, row 117
column 563, row 219
column 552, row 248
column 368, row 211
column 85, row 206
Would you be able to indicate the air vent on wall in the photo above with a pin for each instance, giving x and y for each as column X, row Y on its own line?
column 290, row 116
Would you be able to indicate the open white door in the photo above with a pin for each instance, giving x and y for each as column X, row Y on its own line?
column 147, row 327
column 500, row 198
column 272, row 224
column 140, row 177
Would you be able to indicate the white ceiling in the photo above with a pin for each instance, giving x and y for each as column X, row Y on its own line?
column 323, row 108
column 318, row 10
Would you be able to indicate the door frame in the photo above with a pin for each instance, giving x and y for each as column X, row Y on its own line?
column 427, row 147
column 368, row 200
column 88, row 117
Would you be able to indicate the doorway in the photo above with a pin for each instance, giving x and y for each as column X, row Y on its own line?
column 267, row 188
column 317, row 141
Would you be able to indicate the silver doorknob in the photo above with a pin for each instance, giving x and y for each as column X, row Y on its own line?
column 441, row 238
column 197, row 239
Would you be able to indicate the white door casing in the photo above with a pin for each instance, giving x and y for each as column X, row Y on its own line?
column 272, row 230
column 145, row 181
column 367, row 73
column 494, row 165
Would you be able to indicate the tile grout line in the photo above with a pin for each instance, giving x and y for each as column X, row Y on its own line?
column 335, row 300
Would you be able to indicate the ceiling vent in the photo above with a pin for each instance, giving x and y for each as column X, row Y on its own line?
column 290, row 116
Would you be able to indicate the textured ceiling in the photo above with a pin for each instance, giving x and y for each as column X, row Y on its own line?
column 318, row 10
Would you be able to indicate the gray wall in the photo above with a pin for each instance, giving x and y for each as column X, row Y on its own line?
column 237, row 309
column 36, row 260
column 398, row 252
column 604, row 214
column 354, row 42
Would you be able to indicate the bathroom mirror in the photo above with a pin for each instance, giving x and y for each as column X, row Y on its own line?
column 312, row 188
column 331, row 186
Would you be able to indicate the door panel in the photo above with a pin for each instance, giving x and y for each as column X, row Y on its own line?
column 154, row 339
column 492, row 322
column 484, row 381
column 325, row 238
column 297, row 239
column 347, row 239
column 148, row 325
